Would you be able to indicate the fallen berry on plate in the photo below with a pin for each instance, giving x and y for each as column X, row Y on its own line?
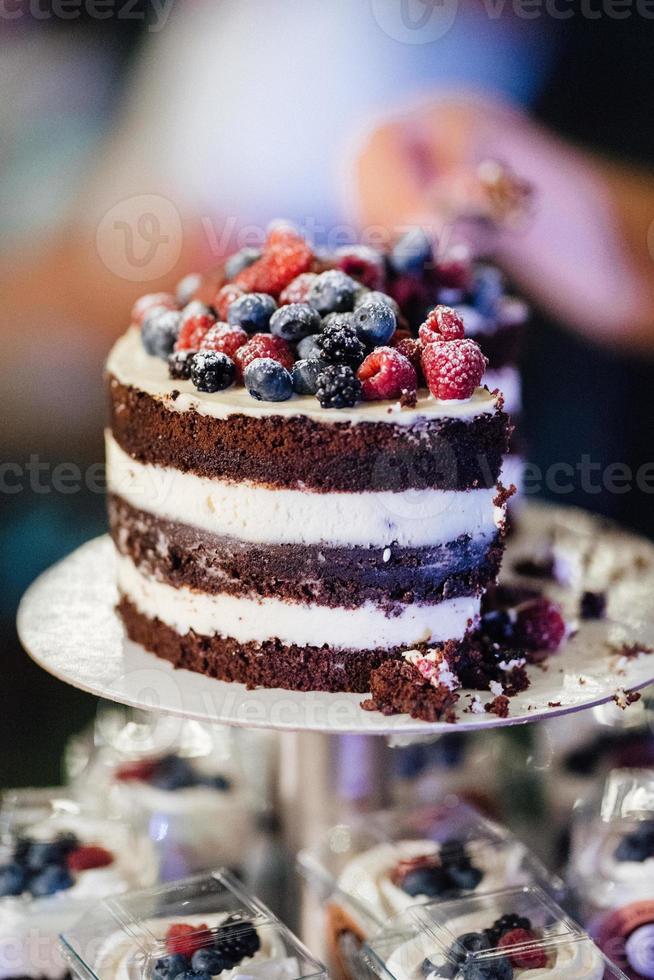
column 539, row 625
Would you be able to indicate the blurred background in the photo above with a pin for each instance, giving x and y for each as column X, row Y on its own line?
column 140, row 141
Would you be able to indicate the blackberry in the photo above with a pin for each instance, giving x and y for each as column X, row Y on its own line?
column 212, row 371
column 338, row 387
column 179, row 364
column 236, row 941
column 452, row 851
column 505, row 924
column 339, row 344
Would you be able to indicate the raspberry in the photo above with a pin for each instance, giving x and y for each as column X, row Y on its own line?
column 386, row 374
column 225, row 338
column 145, row 304
column 85, row 858
column 280, row 232
column 453, row 368
column 527, row 959
column 540, row 625
column 193, row 329
column 443, row 323
column 363, row 264
column 186, row 939
column 411, row 348
column 298, row 290
column 141, row 770
column 263, row 345
column 282, row 262
column 338, row 387
column 339, row 344
column 225, row 297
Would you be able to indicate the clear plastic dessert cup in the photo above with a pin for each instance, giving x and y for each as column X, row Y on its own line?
column 370, row 870
column 611, row 870
column 514, row 933
column 55, row 858
column 203, row 927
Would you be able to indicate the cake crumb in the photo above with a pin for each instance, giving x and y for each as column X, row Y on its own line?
column 409, row 399
column 624, row 698
column 498, row 706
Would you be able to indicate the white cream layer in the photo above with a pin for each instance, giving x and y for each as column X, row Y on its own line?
column 250, row 512
column 129, row 364
column 254, row 621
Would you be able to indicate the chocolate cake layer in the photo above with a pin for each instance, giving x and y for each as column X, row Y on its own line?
column 182, row 555
column 297, row 451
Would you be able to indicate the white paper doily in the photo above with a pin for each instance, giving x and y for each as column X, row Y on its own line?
column 68, row 625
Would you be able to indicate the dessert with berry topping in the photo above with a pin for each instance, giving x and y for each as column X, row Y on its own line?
column 194, row 929
column 396, row 860
column 517, row 933
column 54, row 859
column 314, row 490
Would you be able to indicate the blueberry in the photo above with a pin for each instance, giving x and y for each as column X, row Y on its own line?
column 212, row 370
column 173, row 773
column 252, row 312
column 305, row 375
column 44, row 853
column 186, row 288
column 469, row 942
column 333, row 292
column 13, row 880
column 170, row 966
column 428, row 881
column 487, row 290
column 412, row 253
column 308, row 347
column 375, row 324
column 160, row 331
column 495, row 969
column 464, row 876
column 241, row 260
column 638, row 845
column 592, row 605
column 192, row 975
column 294, row 321
column 208, row 961
column 268, row 380
column 375, row 296
column 497, row 626
column 51, row 880
column 219, row 783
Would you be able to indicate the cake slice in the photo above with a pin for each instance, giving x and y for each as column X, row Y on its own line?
column 297, row 503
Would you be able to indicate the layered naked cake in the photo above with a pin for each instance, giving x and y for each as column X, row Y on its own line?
column 311, row 494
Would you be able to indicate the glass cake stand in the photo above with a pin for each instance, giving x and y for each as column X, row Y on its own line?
column 68, row 624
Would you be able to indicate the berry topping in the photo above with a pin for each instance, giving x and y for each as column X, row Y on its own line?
column 386, row 374
column 374, row 296
column 298, row 290
column 592, row 605
column 285, row 257
column 527, row 959
column 212, row 371
column 540, row 625
column 374, row 323
column 160, row 331
column 224, row 338
column 88, row 857
column 151, row 301
column 464, row 876
column 496, row 626
column 263, row 345
column 505, row 923
column 193, row 975
column 469, row 942
column 172, row 773
column 295, row 321
column 41, row 854
column 412, row 253
column 453, row 369
column 168, row 967
column 305, row 375
column 443, row 323
column 252, row 312
column 13, row 880
column 209, row 961
column 492, row 969
column 236, row 941
column 194, row 325
column 267, row 380
column 338, row 387
column 339, row 344
column 141, row 770
column 430, row 880
column 241, row 260
column 308, row 347
column 186, row 939
column 225, row 296
column 187, row 287
column 362, row 263
column 411, row 348
column 637, row 845
column 51, row 880
column 333, row 292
